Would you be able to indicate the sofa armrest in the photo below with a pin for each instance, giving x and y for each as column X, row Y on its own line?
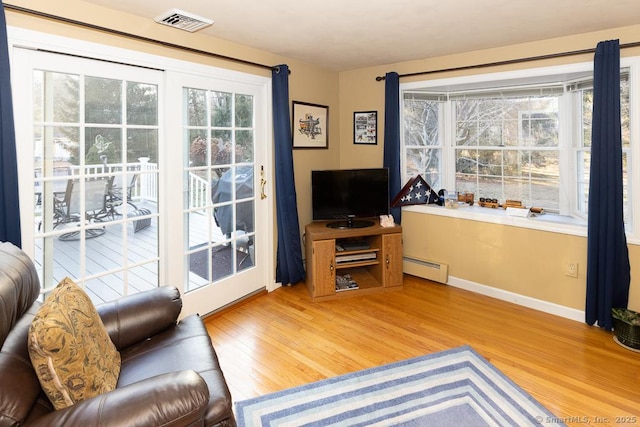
column 136, row 317
column 173, row 399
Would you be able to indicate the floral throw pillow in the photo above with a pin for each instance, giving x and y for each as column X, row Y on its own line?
column 70, row 348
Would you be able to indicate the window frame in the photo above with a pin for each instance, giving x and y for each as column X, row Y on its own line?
column 568, row 221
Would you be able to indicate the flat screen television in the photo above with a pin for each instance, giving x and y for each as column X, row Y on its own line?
column 349, row 197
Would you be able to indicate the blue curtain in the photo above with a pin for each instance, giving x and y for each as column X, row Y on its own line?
column 392, row 137
column 9, row 208
column 608, row 271
column 289, row 266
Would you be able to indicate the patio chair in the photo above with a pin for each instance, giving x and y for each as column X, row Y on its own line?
column 57, row 186
column 116, row 197
column 95, row 207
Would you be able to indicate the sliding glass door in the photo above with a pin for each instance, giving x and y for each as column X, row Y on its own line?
column 223, row 152
column 91, row 208
column 132, row 177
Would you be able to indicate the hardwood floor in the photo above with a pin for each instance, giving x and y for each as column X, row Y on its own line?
column 282, row 339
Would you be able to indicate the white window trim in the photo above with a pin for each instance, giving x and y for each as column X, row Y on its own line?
column 547, row 222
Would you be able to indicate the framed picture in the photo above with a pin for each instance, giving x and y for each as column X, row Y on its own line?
column 310, row 127
column 365, row 127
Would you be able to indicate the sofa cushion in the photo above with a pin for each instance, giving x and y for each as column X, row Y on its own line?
column 70, row 349
column 186, row 346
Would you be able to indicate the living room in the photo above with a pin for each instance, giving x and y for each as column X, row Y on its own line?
column 358, row 90
column 522, row 264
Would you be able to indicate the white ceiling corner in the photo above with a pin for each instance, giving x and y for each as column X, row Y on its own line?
column 343, row 35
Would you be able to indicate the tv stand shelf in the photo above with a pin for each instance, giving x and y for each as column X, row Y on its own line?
column 375, row 264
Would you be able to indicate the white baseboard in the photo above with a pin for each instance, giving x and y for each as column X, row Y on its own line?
column 536, row 304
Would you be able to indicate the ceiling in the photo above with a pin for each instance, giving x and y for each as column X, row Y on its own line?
column 349, row 34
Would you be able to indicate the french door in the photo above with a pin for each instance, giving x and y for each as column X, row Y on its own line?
column 133, row 177
column 86, row 130
column 224, row 146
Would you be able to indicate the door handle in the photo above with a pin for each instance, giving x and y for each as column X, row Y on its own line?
column 263, row 182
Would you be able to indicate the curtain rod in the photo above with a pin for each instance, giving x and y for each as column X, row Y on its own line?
column 134, row 36
column 510, row 61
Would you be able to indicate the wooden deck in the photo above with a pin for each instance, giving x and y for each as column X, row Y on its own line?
column 107, row 271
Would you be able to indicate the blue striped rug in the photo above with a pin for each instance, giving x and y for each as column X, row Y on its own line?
column 457, row 387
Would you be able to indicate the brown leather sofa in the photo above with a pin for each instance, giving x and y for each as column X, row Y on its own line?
column 170, row 374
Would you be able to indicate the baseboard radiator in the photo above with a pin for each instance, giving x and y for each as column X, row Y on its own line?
column 426, row 269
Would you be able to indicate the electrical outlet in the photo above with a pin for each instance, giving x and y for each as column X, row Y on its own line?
column 572, row 269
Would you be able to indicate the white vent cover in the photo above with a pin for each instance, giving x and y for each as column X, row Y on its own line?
column 183, row 20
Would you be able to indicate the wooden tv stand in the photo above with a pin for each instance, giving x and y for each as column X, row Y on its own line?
column 372, row 256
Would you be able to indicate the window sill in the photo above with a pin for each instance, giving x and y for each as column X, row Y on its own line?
column 553, row 223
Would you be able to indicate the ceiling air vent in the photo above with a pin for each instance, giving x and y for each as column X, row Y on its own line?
column 183, row 20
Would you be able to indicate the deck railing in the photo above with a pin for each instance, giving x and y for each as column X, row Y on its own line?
column 198, row 190
column 146, row 188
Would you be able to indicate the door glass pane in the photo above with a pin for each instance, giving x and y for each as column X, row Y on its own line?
column 222, row 261
column 244, row 216
column 244, row 111
column 103, row 145
column 103, row 100
column 245, row 251
column 221, row 147
column 221, row 109
column 219, row 166
column 96, row 215
column 65, row 88
column 56, row 151
column 244, row 146
column 199, row 266
column 142, row 104
column 142, row 143
column 196, row 107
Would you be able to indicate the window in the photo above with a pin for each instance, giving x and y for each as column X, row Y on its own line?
column 583, row 101
column 507, row 148
column 508, row 137
column 423, row 137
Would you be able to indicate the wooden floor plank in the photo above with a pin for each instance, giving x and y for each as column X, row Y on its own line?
column 282, row 340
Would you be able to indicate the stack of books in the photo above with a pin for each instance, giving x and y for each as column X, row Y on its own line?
column 345, row 283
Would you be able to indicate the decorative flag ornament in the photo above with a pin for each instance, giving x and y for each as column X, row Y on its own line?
column 415, row 192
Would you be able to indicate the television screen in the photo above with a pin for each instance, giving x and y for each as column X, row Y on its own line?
column 349, row 193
